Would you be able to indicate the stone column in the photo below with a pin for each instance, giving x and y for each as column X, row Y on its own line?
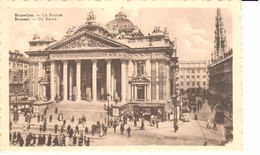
column 58, row 80
column 39, row 78
column 70, row 81
column 108, row 76
column 78, row 81
column 52, row 80
column 65, row 80
column 167, row 80
column 44, row 76
column 123, row 79
column 157, row 80
column 94, row 80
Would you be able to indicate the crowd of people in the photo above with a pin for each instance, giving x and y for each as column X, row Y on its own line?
column 62, row 132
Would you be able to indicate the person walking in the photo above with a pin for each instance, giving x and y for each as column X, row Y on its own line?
column 114, row 125
column 55, row 141
column 122, row 128
column 49, row 140
column 208, row 124
column 55, row 128
column 128, row 131
column 74, row 140
column 142, row 125
column 176, row 127
column 86, row 130
column 135, row 122
column 88, row 142
column 50, row 118
column 215, row 126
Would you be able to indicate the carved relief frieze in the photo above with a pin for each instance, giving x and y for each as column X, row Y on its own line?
column 83, row 42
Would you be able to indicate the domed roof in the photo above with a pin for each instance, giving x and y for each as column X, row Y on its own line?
column 120, row 24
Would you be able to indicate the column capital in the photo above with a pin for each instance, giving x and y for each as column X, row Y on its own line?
column 124, row 61
column 52, row 61
column 94, row 60
column 108, row 61
column 64, row 61
column 78, row 61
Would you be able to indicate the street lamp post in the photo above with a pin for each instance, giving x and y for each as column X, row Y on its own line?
column 174, row 103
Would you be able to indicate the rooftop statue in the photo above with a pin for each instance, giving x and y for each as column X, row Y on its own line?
column 91, row 18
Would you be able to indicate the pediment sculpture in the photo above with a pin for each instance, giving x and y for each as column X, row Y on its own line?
column 84, row 42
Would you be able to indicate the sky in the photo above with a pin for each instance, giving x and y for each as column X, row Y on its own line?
column 192, row 27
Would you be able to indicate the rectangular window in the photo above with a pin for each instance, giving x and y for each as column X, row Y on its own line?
column 188, row 76
column 182, row 76
column 204, row 76
column 193, row 76
column 181, row 83
column 192, row 71
column 193, row 83
column 198, row 76
column 198, row 84
column 188, row 83
column 204, row 83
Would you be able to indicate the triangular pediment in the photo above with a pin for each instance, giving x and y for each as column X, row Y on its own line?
column 85, row 40
column 140, row 79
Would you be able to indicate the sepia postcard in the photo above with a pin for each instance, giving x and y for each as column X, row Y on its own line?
column 141, row 74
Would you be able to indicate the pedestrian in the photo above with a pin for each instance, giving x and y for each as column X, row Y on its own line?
column 88, row 142
column 214, row 126
column 43, row 139
column 49, row 140
column 10, row 137
column 122, row 128
column 142, row 125
column 10, row 125
column 55, row 141
column 86, row 130
column 14, row 137
column 44, row 125
column 71, row 133
column 38, row 118
column 33, row 140
column 128, row 131
column 176, row 127
column 50, row 118
column 62, row 129
column 21, row 142
column 72, row 119
column 40, row 128
column 74, row 141
column 56, row 110
column 64, row 122
column 39, row 140
column 55, row 128
column 68, row 128
column 196, row 117
column 135, row 122
column 208, row 124
column 77, row 129
column 114, row 126
column 27, row 140
column 93, row 129
column 157, row 123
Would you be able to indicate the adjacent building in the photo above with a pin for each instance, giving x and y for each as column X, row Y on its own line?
column 220, row 72
column 192, row 74
column 18, row 74
column 116, row 62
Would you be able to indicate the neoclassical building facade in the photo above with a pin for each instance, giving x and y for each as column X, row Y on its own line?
column 92, row 61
